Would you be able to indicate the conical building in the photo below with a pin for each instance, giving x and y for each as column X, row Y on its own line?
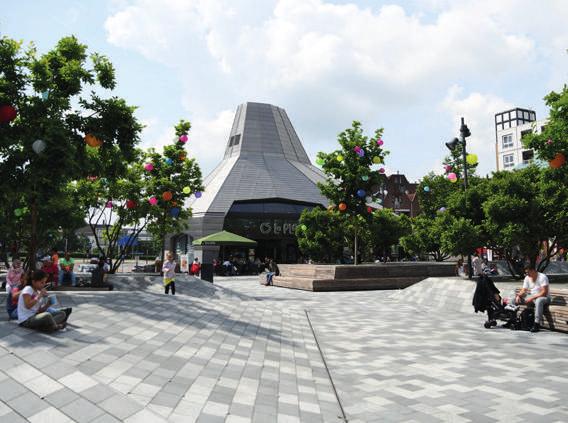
column 260, row 187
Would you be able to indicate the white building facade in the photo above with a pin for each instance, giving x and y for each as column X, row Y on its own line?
column 510, row 128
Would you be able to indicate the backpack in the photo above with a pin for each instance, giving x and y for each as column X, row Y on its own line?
column 526, row 319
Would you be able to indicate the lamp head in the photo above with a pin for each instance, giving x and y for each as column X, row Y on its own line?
column 464, row 131
column 452, row 144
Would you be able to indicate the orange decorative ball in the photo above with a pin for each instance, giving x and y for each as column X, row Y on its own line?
column 182, row 157
column 93, row 141
column 342, row 206
column 558, row 161
column 167, row 196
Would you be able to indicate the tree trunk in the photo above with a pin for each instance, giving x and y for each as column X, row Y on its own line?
column 33, row 238
column 355, row 255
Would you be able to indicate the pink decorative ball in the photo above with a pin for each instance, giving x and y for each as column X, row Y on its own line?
column 109, row 205
column 183, row 138
column 447, row 168
column 380, row 142
column 382, row 170
column 153, row 201
column 149, row 167
column 356, row 149
column 549, row 141
column 452, row 175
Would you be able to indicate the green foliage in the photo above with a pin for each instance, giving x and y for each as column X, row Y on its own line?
column 460, row 237
column 345, row 177
column 553, row 139
column 386, row 228
column 439, row 191
column 50, row 95
column 455, row 161
column 320, row 234
column 426, row 236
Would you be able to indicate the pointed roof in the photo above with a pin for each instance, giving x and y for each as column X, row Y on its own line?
column 225, row 238
column 264, row 159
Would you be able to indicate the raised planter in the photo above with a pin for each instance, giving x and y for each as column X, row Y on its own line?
column 317, row 277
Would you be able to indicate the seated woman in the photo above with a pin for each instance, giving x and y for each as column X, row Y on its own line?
column 12, row 298
column 33, row 305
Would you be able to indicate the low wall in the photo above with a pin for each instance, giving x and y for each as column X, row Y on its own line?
column 362, row 277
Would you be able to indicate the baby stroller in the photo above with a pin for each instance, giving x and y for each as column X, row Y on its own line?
column 487, row 298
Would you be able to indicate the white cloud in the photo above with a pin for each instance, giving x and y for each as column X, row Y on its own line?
column 478, row 110
column 329, row 63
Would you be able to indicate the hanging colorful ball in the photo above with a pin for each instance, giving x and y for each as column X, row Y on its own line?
column 303, row 227
column 447, row 168
column 186, row 190
column 198, row 194
column 364, row 178
column 167, row 196
column 452, row 177
column 558, row 161
column 18, row 212
column 130, row 204
column 45, row 95
column 377, row 160
column 342, row 206
column 356, row 149
column 174, row 211
column 7, row 113
column 382, row 170
column 39, row 146
column 426, row 188
column 183, row 138
column 339, row 158
column 93, row 141
column 471, row 159
column 108, row 204
column 380, row 142
column 182, row 156
column 153, row 201
column 441, row 210
column 549, row 141
column 361, row 193
column 169, row 161
column 369, row 209
column 320, row 161
column 361, row 153
column 149, row 167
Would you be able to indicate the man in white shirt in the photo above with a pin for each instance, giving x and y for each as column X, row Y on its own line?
column 537, row 284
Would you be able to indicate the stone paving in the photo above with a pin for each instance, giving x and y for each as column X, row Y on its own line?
column 238, row 352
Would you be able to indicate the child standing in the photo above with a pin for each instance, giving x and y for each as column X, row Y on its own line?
column 14, row 275
column 169, row 269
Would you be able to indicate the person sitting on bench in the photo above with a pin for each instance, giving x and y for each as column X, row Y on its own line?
column 537, row 284
column 66, row 266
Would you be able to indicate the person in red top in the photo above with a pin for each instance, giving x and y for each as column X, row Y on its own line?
column 51, row 270
column 195, row 268
column 55, row 257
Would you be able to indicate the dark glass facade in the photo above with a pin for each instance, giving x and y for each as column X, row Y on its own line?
column 272, row 223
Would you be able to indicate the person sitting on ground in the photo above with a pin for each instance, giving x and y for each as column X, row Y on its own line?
column 54, row 256
column 14, row 275
column 537, row 284
column 273, row 270
column 66, row 266
column 33, row 307
column 459, row 268
column 169, row 269
column 51, row 270
column 195, row 268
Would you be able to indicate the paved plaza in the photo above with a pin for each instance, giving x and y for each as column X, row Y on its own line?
column 238, row 352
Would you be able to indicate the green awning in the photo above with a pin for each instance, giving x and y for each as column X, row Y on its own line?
column 225, row 238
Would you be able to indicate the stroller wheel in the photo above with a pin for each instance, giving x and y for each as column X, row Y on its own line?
column 493, row 323
column 487, row 325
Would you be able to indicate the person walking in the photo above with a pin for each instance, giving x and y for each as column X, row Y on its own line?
column 195, row 268
column 169, row 269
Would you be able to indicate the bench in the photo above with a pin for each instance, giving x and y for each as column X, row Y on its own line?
column 556, row 314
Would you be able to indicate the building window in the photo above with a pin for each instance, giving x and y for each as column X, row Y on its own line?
column 525, row 133
column 508, row 161
column 499, row 118
column 507, row 141
column 397, row 203
column 528, row 156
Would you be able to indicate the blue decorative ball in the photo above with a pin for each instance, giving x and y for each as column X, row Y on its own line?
column 361, row 193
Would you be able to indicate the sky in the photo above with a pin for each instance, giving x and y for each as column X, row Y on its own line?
column 411, row 67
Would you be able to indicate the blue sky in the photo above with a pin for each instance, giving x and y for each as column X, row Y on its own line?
column 412, row 67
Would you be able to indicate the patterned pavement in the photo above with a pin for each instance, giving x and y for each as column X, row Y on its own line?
column 238, row 352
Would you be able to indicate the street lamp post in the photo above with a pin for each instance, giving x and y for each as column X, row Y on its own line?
column 452, row 145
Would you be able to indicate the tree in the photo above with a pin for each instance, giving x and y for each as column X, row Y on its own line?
column 454, row 163
column 426, row 236
column 46, row 118
column 172, row 179
column 150, row 195
column 460, row 237
column 520, row 215
column 353, row 176
column 386, row 228
column 320, row 234
column 433, row 193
